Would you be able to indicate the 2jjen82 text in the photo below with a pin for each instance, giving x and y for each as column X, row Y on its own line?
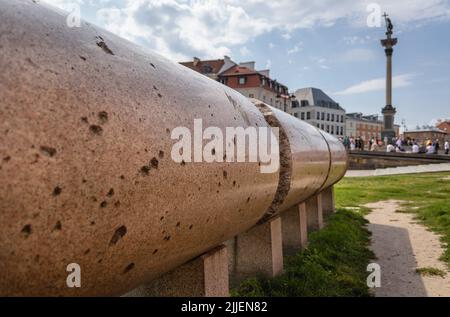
column 231, row 307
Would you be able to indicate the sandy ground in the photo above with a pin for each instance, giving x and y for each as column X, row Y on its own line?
column 401, row 246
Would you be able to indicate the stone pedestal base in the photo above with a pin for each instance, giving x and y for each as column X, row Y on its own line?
column 294, row 228
column 314, row 213
column 328, row 207
column 205, row 276
column 258, row 252
column 389, row 135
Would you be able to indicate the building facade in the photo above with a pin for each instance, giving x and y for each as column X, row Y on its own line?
column 422, row 136
column 257, row 84
column 444, row 125
column 317, row 108
column 245, row 79
column 210, row 68
column 365, row 126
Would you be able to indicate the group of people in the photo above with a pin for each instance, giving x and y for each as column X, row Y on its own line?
column 430, row 146
column 397, row 145
column 434, row 147
column 359, row 144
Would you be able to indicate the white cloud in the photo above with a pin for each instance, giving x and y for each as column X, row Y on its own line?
column 271, row 45
column 286, row 36
column 378, row 84
column 353, row 40
column 268, row 64
column 297, row 48
column 358, row 55
column 321, row 62
column 181, row 29
column 245, row 51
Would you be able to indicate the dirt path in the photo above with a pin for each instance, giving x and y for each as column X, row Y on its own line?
column 401, row 246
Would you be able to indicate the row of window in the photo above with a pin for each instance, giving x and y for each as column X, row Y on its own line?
column 242, row 80
column 329, row 117
column 322, row 116
column 368, row 127
column 331, row 129
column 321, row 103
column 365, row 127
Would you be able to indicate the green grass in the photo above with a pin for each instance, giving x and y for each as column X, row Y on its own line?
column 425, row 195
column 336, row 260
column 430, row 271
column 333, row 265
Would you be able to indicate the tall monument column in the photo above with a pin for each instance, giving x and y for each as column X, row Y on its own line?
column 388, row 111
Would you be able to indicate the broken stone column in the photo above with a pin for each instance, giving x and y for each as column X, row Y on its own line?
column 328, row 207
column 314, row 213
column 86, row 171
column 205, row 276
column 294, row 228
column 259, row 252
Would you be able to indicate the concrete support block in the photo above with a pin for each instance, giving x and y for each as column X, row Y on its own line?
column 328, row 206
column 205, row 276
column 295, row 229
column 259, row 252
column 314, row 213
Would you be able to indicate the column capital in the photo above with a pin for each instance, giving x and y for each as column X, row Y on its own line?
column 389, row 51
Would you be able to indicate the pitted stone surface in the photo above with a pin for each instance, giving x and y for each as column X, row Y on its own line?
column 86, row 174
column 86, row 170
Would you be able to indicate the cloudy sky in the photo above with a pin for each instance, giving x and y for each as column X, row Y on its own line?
column 328, row 44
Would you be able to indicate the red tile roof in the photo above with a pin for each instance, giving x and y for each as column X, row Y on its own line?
column 239, row 70
column 201, row 66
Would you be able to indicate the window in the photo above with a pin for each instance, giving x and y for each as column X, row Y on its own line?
column 342, row 119
column 242, row 80
column 296, row 114
column 207, row 69
column 322, row 117
column 318, row 115
column 332, row 129
column 332, row 117
column 251, row 95
column 308, row 115
column 328, row 117
column 302, row 116
column 318, row 126
column 322, row 126
column 342, row 130
column 304, row 103
column 224, row 81
column 328, row 128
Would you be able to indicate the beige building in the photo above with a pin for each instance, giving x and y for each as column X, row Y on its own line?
column 257, row 84
column 315, row 107
column 422, row 136
column 367, row 127
column 246, row 79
